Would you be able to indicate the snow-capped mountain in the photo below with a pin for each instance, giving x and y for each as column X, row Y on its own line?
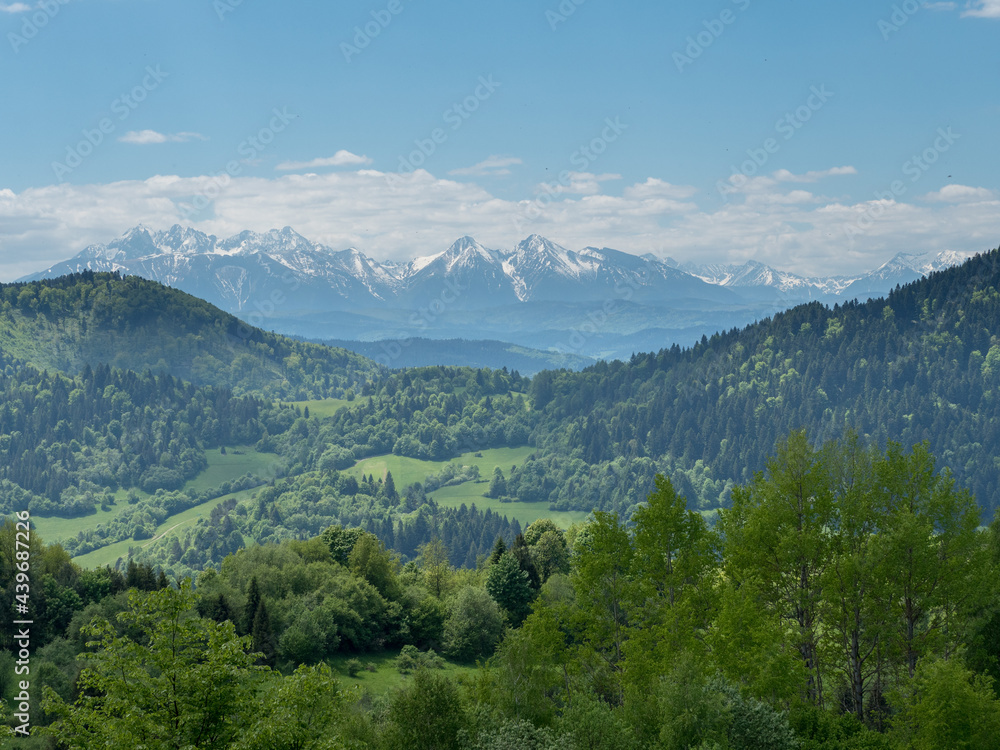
column 465, row 275
column 902, row 269
column 756, row 274
column 595, row 301
column 250, row 267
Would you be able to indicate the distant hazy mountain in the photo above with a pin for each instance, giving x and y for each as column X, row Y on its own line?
column 592, row 303
column 458, row 352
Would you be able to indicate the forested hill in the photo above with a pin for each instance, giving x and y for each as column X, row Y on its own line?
column 922, row 365
column 135, row 324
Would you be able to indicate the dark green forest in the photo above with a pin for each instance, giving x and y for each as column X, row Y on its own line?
column 787, row 543
column 134, row 324
column 848, row 598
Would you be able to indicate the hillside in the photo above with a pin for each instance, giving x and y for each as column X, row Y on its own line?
column 494, row 355
column 922, row 365
column 134, row 324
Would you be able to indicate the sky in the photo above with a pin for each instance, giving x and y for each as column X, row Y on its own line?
column 820, row 138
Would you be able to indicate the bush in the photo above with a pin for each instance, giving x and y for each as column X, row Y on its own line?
column 411, row 659
column 353, row 667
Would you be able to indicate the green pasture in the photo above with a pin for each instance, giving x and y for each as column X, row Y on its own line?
column 237, row 461
column 525, row 513
column 175, row 524
column 386, row 677
column 327, row 407
column 406, row 471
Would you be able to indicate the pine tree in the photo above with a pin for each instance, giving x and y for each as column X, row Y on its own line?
column 250, row 610
column 262, row 635
column 499, row 547
column 509, row 587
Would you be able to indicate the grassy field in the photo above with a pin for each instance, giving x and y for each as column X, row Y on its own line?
column 406, row 471
column 525, row 513
column 221, row 468
column 52, row 529
column 327, row 407
column 224, row 468
column 176, row 524
column 385, row 677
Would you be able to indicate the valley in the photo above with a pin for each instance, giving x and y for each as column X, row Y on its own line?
column 344, row 515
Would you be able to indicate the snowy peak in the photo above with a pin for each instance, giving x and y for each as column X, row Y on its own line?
column 466, row 252
column 239, row 272
column 537, row 255
column 928, row 262
column 273, row 242
column 465, row 255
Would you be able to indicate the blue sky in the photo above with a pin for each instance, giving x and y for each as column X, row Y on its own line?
column 817, row 137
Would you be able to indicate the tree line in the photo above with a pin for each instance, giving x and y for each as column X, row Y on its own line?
column 847, row 599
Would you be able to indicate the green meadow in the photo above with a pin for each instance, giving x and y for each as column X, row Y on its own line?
column 406, row 471
column 175, row 524
column 327, row 407
column 237, row 461
column 386, row 677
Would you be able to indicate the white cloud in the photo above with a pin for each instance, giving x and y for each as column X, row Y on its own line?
column 783, row 175
column 578, row 183
column 960, row 194
column 14, row 7
column 340, row 159
column 422, row 214
column 654, row 188
column 146, row 137
column 491, row 166
column 982, row 9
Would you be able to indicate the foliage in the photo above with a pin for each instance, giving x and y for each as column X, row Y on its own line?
column 187, row 681
column 428, row 714
column 946, row 705
column 135, row 324
column 473, row 626
column 507, row 583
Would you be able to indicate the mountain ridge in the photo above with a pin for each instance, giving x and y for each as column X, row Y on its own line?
column 533, row 258
column 296, row 286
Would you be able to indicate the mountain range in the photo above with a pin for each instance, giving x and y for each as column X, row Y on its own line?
column 592, row 303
